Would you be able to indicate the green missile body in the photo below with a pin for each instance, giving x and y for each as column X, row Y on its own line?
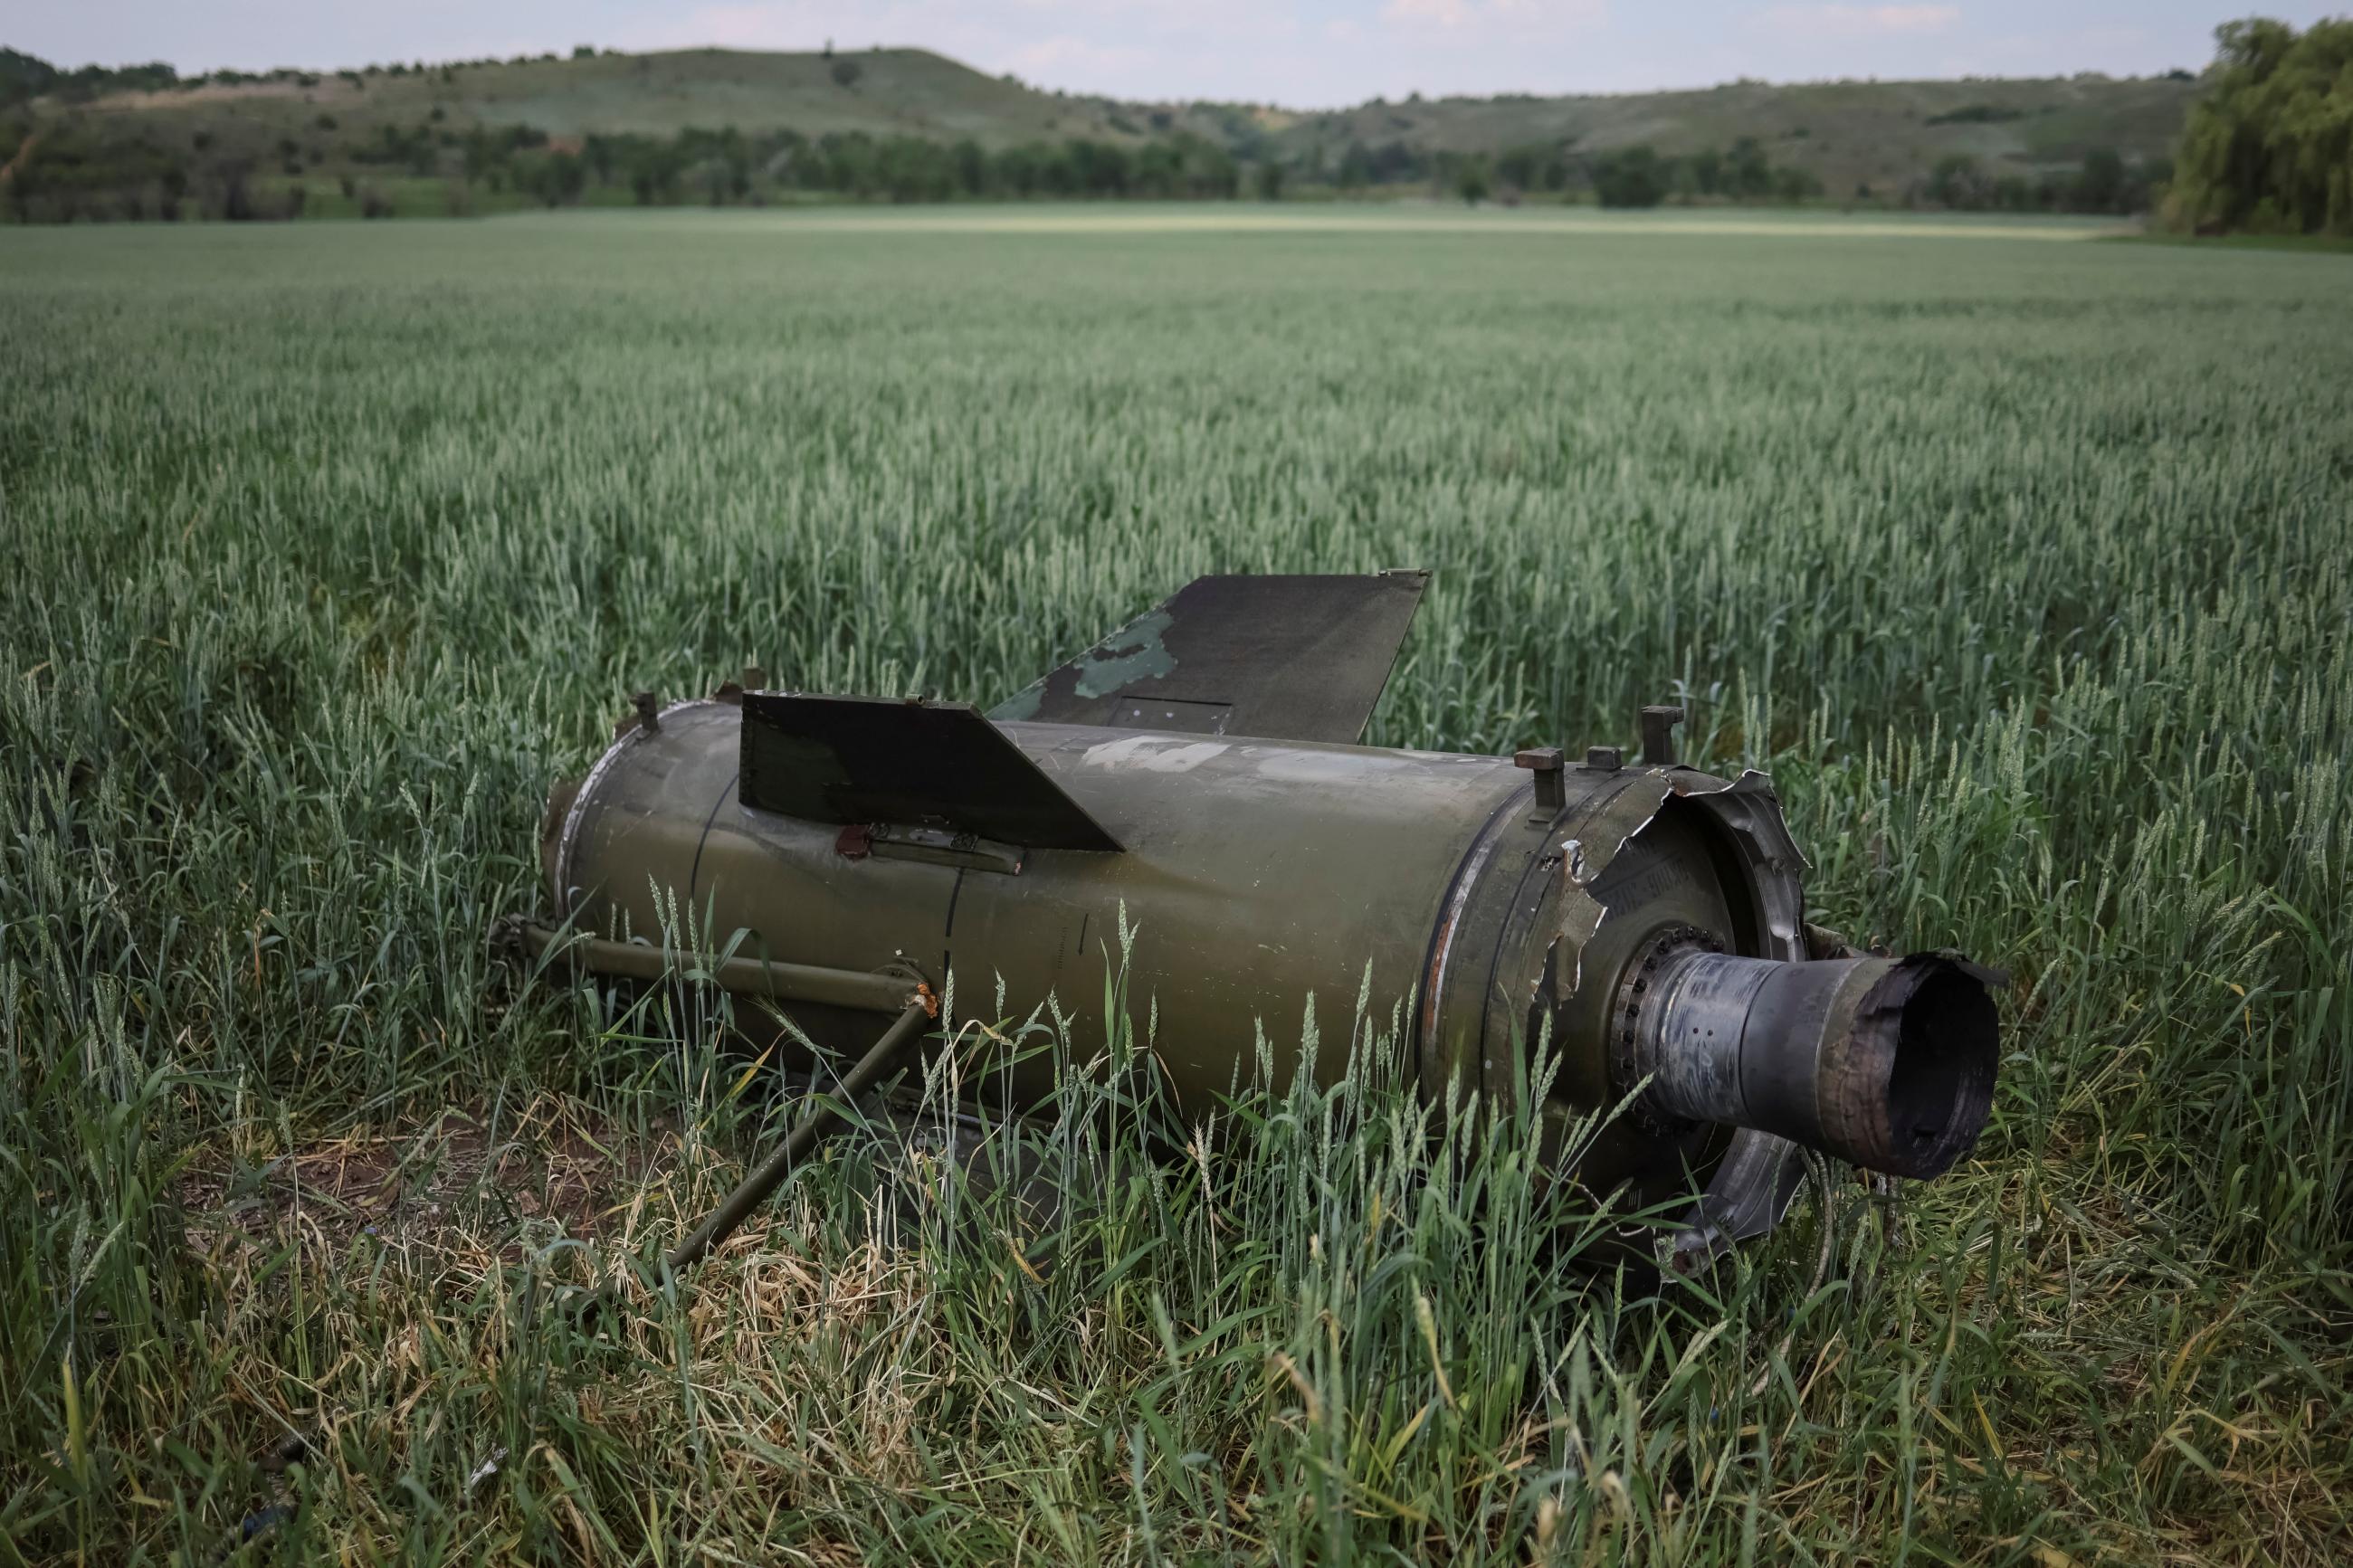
column 1197, row 774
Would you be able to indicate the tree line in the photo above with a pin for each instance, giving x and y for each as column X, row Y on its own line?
column 1640, row 176
column 728, row 166
column 23, row 77
column 71, row 171
column 2104, row 183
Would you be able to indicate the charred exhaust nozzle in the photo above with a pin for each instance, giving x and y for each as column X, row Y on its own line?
column 1886, row 1063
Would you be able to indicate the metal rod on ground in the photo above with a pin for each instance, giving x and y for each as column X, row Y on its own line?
column 815, row 1124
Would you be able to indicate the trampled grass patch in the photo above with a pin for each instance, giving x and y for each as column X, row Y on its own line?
column 2021, row 566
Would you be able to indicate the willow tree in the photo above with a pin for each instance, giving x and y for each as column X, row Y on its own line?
column 2269, row 144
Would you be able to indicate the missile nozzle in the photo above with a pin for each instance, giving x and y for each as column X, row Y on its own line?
column 1886, row 1063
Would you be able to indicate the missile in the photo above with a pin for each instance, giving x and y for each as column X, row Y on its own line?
column 1197, row 774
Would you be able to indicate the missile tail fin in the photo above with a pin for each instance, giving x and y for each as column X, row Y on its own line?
column 1282, row 658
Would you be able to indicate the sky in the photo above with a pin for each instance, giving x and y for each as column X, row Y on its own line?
column 1301, row 53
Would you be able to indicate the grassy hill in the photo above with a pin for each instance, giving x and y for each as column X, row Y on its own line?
column 1849, row 133
column 887, row 92
column 1878, row 139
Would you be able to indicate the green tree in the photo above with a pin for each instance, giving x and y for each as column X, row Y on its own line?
column 1355, row 167
column 1102, row 169
column 971, row 166
column 1532, row 167
column 2101, row 187
column 1160, row 170
column 1957, row 182
column 1748, row 171
column 1471, row 182
column 555, row 178
column 1210, row 170
column 653, row 173
column 1706, row 169
column 1021, row 170
column 2269, row 144
column 914, row 170
column 24, row 76
column 1630, row 177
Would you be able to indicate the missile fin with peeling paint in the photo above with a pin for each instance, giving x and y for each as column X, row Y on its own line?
column 1290, row 659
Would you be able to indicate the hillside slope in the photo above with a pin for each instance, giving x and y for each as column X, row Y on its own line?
column 884, row 92
column 1883, row 136
column 1876, row 139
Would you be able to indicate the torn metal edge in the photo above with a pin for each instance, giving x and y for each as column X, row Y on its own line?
column 1758, row 1178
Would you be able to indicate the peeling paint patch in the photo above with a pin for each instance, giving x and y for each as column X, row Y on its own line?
column 1581, row 915
column 1304, row 766
column 1153, row 753
column 1135, row 652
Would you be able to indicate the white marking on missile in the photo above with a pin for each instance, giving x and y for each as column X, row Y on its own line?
column 1141, row 752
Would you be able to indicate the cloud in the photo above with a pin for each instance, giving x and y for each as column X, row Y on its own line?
column 747, row 25
column 1067, row 56
column 759, row 24
column 1474, row 14
column 1859, row 21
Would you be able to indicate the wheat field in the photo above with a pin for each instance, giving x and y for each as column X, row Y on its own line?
column 2021, row 566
